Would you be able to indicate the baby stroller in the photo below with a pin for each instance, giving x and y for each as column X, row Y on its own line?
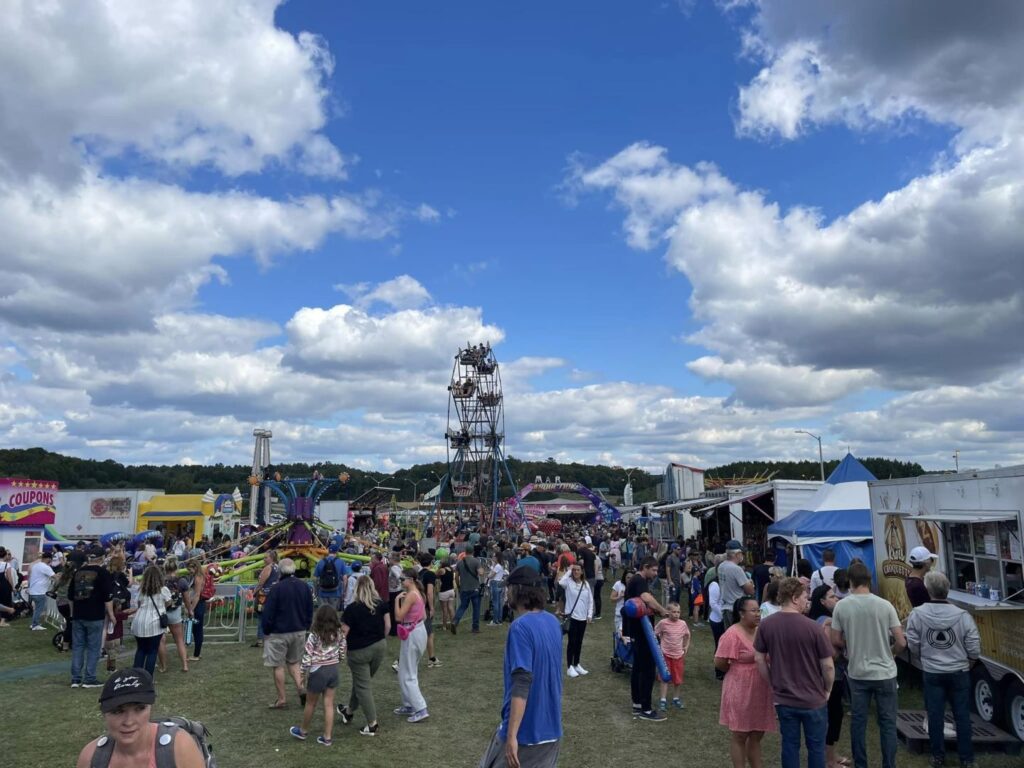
column 622, row 652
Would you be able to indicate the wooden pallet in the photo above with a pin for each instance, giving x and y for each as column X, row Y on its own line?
column 912, row 730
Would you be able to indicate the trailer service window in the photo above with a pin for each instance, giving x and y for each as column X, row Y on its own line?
column 989, row 552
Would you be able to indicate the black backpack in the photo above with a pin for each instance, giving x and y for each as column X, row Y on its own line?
column 165, row 732
column 329, row 578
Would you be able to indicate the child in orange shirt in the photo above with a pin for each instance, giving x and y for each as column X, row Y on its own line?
column 674, row 637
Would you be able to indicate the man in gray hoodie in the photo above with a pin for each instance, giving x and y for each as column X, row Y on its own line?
column 946, row 640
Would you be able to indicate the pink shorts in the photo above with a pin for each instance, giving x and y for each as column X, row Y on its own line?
column 675, row 669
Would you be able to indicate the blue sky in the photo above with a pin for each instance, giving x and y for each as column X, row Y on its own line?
column 690, row 228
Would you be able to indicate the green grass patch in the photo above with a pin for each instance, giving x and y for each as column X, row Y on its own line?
column 229, row 690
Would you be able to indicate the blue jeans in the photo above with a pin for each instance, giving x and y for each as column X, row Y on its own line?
column 886, row 699
column 814, row 723
column 38, row 609
column 497, row 601
column 145, row 653
column 954, row 687
column 465, row 598
column 86, row 642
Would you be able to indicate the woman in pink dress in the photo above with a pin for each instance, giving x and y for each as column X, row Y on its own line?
column 747, row 708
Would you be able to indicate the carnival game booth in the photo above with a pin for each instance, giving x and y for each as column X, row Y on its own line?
column 837, row 517
column 27, row 513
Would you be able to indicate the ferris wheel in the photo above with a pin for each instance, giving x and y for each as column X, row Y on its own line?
column 476, row 430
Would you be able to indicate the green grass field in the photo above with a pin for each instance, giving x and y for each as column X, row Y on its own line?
column 47, row 723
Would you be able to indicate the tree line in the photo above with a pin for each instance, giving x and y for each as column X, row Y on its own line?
column 75, row 473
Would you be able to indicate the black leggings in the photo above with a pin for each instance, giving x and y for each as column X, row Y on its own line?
column 577, row 629
column 835, row 712
column 641, row 679
column 598, row 586
column 65, row 611
column 199, row 614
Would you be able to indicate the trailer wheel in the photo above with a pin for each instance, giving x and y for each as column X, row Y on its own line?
column 1015, row 709
column 984, row 695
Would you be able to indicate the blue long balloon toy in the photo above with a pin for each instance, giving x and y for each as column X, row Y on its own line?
column 635, row 608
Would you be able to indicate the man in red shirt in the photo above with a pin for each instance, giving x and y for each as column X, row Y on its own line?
column 795, row 657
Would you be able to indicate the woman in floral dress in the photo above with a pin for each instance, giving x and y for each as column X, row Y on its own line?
column 747, row 708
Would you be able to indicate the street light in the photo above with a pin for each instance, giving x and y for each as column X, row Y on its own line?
column 414, row 483
column 821, row 459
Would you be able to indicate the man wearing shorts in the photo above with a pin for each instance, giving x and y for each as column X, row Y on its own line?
column 287, row 615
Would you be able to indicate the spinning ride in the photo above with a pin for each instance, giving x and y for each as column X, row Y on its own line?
column 476, row 433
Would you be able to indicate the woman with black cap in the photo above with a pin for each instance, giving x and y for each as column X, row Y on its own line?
column 131, row 739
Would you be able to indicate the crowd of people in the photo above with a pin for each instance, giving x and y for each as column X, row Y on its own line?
column 790, row 650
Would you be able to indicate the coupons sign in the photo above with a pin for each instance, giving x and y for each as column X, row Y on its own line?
column 27, row 502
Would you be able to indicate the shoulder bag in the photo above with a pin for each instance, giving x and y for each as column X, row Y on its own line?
column 162, row 615
column 566, row 622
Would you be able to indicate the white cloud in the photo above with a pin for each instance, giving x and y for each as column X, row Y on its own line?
column 114, row 249
column 426, row 213
column 346, row 338
column 865, row 64
column 890, row 288
column 186, row 83
column 402, row 292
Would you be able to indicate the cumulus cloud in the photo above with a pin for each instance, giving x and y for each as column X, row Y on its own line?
column 402, row 292
column 185, row 83
column 346, row 338
column 866, row 64
column 115, row 249
column 888, row 288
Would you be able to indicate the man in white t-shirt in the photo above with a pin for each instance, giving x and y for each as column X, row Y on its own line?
column 827, row 573
column 40, row 575
column 496, row 583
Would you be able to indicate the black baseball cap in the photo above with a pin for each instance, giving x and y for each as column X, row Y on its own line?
column 95, row 551
column 524, row 576
column 127, row 686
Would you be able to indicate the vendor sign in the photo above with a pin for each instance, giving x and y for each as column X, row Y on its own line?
column 27, row 502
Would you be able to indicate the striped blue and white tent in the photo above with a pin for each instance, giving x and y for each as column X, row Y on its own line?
column 838, row 516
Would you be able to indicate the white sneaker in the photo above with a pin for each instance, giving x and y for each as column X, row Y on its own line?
column 572, row 672
column 580, row 670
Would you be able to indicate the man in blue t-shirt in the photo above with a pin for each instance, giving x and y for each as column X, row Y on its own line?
column 531, row 713
column 330, row 589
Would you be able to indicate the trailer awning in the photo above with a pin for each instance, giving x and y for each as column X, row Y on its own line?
column 705, row 512
column 685, row 504
column 959, row 515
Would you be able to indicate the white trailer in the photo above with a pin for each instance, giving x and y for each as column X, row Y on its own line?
column 92, row 513
column 334, row 514
column 973, row 522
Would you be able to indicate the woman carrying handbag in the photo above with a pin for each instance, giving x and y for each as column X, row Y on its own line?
column 579, row 596
column 150, row 620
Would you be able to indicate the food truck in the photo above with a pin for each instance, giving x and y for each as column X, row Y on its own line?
column 972, row 521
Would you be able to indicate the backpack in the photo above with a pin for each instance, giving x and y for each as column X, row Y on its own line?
column 122, row 592
column 329, row 578
column 165, row 731
column 209, row 586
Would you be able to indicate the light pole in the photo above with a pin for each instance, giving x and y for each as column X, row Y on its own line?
column 956, row 458
column 414, row 483
column 821, row 458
